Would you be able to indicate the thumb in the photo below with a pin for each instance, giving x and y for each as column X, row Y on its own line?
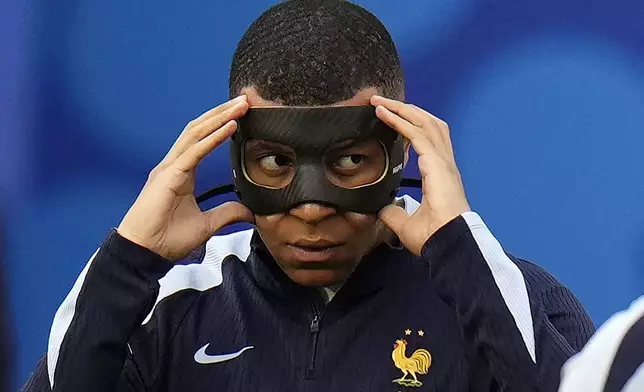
column 394, row 217
column 227, row 214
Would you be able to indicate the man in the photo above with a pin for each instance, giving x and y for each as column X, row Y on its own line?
column 339, row 286
column 613, row 360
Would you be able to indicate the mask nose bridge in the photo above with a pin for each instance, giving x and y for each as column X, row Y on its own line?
column 310, row 180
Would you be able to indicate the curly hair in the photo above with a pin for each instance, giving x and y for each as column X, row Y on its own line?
column 316, row 52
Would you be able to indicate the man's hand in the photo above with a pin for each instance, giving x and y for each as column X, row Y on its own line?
column 165, row 217
column 443, row 195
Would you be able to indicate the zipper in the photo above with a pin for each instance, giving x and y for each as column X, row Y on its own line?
column 315, row 331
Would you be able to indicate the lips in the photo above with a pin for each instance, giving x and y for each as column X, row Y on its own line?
column 318, row 250
column 318, row 244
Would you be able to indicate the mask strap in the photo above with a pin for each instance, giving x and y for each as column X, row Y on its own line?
column 411, row 183
column 214, row 192
column 222, row 190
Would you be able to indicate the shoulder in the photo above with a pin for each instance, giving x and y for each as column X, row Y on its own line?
column 557, row 302
column 536, row 276
column 543, row 286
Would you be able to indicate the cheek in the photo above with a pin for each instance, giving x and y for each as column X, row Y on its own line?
column 367, row 231
column 267, row 224
column 360, row 221
column 268, row 221
column 366, row 227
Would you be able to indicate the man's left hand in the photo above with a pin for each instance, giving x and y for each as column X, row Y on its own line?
column 443, row 194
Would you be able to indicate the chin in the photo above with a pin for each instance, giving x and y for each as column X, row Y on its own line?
column 318, row 277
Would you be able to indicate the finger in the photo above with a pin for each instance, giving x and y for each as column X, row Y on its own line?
column 205, row 128
column 411, row 113
column 394, row 217
column 210, row 125
column 190, row 159
column 227, row 214
column 218, row 109
column 433, row 127
column 425, row 164
column 188, row 137
column 444, row 133
column 420, row 143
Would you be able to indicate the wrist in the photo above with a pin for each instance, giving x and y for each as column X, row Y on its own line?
column 134, row 254
column 131, row 236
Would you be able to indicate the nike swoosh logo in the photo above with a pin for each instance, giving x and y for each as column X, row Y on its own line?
column 205, row 359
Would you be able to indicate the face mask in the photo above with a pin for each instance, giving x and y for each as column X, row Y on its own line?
column 343, row 157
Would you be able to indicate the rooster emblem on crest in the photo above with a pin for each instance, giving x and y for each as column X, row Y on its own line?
column 418, row 363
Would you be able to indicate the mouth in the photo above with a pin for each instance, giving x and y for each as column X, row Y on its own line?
column 313, row 250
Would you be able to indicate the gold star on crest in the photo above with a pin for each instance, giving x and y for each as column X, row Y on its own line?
column 421, row 333
column 408, row 332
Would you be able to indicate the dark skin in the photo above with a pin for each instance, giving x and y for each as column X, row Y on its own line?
column 355, row 234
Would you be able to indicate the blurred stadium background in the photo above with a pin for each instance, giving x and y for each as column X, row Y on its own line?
column 545, row 102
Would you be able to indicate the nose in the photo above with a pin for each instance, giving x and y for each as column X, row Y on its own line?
column 312, row 213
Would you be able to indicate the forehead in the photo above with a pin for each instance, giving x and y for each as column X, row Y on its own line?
column 361, row 98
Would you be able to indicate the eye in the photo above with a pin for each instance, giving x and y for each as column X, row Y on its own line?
column 273, row 162
column 349, row 162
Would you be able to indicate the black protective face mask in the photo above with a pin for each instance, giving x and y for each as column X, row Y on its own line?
column 344, row 157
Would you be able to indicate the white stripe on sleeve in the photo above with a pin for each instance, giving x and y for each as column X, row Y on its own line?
column 62, row 321
column 508, row 278
column 207, row 274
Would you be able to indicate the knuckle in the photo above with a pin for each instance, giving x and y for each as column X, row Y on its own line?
column 158, row 171
column 441, row 124
column 154, row 173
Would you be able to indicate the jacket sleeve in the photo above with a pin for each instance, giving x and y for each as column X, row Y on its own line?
column 129, row 380
column 88, row 343
column 524, row 340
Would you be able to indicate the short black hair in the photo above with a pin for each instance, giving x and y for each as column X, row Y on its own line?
column 316, row 52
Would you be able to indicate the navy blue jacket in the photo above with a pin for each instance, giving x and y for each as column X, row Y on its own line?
column 464, row 316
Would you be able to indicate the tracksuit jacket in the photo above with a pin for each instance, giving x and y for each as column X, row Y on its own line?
column 463, row 316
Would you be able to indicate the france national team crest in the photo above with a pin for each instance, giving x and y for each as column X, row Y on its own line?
column 417, row 363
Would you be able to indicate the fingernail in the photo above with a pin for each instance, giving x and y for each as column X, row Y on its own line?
column 240, row 98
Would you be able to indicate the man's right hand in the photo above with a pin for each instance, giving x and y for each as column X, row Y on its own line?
column 165, row 217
